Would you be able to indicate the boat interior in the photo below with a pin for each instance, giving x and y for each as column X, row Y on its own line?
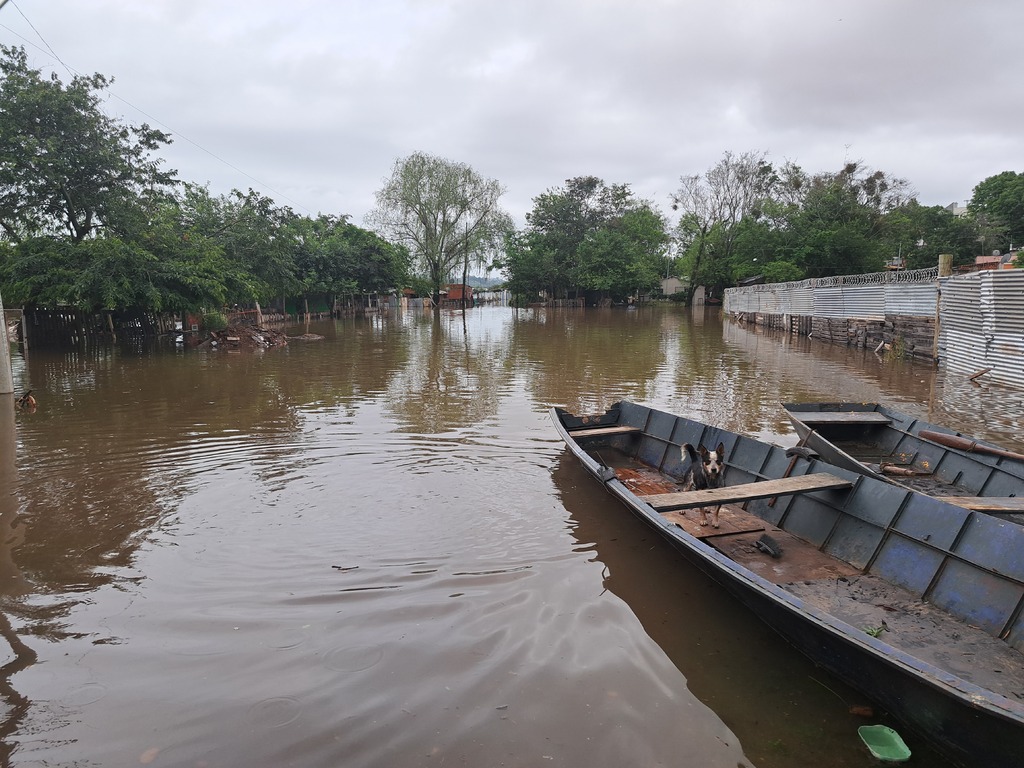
column 942, row 583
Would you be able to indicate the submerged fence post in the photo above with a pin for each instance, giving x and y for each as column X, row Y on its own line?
column 6, row 376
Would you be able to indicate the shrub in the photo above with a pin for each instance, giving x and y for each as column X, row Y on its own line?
column 214, row 321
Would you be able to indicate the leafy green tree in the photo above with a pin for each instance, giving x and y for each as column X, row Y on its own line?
column 66, row 168
column 840, row 227
column 711, row 205
column 920, row 233
column 339, row 258
column 530, row 267
column 587, row 236
column 832, row 233
column 997, row 205
column 782, row 272
column 440, row 210
column 257, row 237
column 161, row 268
column 561, row 221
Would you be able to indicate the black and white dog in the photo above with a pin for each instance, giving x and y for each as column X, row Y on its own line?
column 706, row 470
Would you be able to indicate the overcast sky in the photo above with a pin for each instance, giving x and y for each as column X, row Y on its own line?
column 311, row 101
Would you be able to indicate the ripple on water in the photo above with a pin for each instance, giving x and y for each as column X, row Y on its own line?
column 354, row 659
column 88, row 693
column 275, row 712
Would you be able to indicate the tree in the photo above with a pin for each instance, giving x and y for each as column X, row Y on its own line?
column 919, row 234
column 336, row 257
column 257, row 238
column 711, row 205
column 587, row 236
column 840, row 227
column 624, row 257
column 440, row 210
column 66, row 168
column 160, row 268
column 997, row 205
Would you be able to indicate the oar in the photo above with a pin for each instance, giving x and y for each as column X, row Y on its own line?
column 966, row 444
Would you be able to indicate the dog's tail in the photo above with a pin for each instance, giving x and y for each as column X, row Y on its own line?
column 690, row 451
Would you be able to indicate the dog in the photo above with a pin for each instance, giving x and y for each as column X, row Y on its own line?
column 706, row 471
column 27, row 402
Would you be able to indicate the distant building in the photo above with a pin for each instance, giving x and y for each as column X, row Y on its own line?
column 456, row 291
column 672, row 285
column 996, row 261
column 957, row 210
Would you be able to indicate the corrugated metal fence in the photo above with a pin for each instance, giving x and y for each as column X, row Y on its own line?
column 981, row 315
column 982, row 325
column 871, row 296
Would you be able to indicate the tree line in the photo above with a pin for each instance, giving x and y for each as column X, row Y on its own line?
column 89, row 217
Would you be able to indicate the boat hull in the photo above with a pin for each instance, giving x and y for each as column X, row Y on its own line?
column 885, row 444
column 968, row 724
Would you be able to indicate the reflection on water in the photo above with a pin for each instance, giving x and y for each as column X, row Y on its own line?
column 18, row 654
column 370, row 550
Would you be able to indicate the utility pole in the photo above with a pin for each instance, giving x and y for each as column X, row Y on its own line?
column 6, row 376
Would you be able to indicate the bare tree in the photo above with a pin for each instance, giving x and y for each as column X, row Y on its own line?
column 442, row 211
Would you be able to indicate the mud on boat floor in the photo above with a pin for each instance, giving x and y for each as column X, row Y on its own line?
column 840, row 590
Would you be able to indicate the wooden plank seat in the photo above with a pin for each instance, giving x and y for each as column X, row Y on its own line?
column 597, row 431
column 993, row 504
column 787, row 486
column 841, row 417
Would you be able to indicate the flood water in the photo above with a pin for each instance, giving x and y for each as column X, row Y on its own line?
column 372, row 550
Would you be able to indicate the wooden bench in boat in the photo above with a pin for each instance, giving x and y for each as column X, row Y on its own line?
column 994, row 504
column 787, row 486
column 597, row 431
column 842, row 417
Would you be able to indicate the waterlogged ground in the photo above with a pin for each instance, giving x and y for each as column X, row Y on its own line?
column 372, row 550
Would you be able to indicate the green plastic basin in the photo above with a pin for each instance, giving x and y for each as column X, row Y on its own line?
column 884, row 743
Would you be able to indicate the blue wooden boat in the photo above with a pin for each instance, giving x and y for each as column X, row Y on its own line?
column 879, row 441
column 917, row 603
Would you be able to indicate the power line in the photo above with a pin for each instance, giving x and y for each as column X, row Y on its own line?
column 176, row 134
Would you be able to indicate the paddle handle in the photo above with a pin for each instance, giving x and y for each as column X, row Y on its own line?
column 966, row 444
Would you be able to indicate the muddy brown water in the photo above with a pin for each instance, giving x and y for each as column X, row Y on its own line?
column 372, row 550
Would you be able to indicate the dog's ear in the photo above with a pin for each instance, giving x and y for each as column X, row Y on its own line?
column 721, row 451
column 703, row 452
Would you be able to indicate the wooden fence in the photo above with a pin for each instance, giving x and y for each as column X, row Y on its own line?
column 70, row 326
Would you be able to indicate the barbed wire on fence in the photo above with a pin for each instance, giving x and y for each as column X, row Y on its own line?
column 926, row 275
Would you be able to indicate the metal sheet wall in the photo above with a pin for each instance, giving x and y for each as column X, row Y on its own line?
column 982, row 325
column 869, row 296
column 844, row 301
column 916, row 299
column 981, row 314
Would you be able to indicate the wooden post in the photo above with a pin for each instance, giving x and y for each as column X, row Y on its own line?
column 945, row 270
column 945, row 264
column 6, row 375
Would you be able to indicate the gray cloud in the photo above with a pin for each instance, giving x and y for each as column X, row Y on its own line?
column 312, row 102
